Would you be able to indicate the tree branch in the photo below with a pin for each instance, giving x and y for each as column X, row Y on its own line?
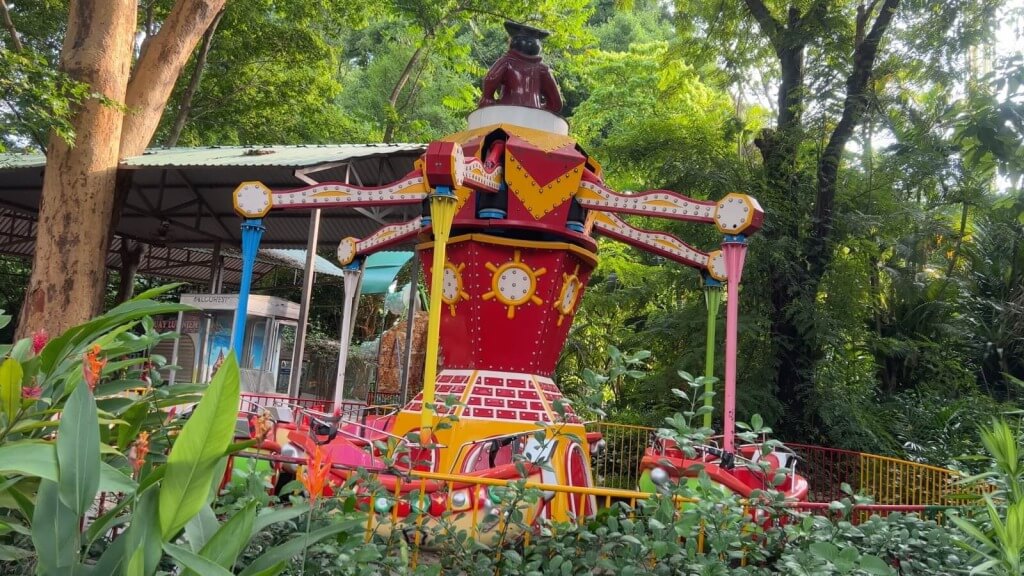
column 396, row 91
column 854, row 106
column 9, row 24
column 158, row 67
column 185, row 106
column 769, row 25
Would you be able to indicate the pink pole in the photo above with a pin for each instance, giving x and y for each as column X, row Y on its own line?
column 734, row 248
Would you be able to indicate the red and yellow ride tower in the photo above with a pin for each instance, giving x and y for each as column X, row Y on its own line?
column 523, row 202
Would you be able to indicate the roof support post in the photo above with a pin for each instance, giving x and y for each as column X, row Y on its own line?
column 215, row 277
column 353, row 277
column 174, row 351
column 414, row 299
column 308, row 275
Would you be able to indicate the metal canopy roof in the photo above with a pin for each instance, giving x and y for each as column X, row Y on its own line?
column 17, row 238
column 181, row 197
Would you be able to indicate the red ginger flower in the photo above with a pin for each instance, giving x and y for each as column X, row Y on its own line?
column 138, row 452
column 92, row 367
column 314, row 475
column 39, row 339
column 32, row 392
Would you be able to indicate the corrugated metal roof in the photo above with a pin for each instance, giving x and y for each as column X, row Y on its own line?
column 182, row 196
column 293, row 156
column 297, row 156
column 8, row 160
column 17, row 233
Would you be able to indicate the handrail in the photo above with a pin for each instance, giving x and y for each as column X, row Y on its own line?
column 585, row 490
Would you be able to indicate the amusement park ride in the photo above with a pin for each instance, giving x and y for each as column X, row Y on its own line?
column 510, row 209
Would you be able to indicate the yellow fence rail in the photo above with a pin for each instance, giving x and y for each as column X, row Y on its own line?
column 884, row 479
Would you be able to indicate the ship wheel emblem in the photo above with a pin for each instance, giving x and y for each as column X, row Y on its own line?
column 514, row 284
column 569, row 295
column 452, row 291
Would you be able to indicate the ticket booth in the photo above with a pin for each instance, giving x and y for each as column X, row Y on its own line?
column 266, row 359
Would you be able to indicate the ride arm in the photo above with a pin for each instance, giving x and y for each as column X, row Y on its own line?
column 351, row 248
column 410, row 189
column 733, row 214
column 484, row 176
column 659, row 243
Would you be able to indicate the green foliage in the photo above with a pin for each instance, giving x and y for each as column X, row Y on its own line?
column 996, row 537
column 38, row 100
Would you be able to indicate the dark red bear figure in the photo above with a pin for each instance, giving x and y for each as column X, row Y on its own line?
column 520, row 76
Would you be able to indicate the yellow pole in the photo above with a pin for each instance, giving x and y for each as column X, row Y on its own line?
column 442, row 212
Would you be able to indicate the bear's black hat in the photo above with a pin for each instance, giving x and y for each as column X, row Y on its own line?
column 516, row 29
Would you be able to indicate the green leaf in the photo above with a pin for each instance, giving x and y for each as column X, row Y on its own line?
column 200, row 446
column 875, row 565
column 285, row 552
column 756, row 422
column 272, row 570
column 225, row 546
column 27, row 507
column 157, row 291
column 13, row 553
column 114, row 480
column 22, row 350
column 38, row 459
column 268, row 517
column 112, row 559
column 195, row 563
column 35, row 458
column 54, row 531
column 142, row 546
column 78, row 451
column 10, row 388
column 825, row 550
column 201, row 528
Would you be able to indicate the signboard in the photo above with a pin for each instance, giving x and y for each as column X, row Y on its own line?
column 259, row 305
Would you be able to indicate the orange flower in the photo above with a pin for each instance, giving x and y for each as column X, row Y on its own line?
column 264, row 425
column 138, row 452
column 92, row 366
column 314, row 475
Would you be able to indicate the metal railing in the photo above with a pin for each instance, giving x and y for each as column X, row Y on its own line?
column 618, row 466
column 886, row 480
column 351, row 409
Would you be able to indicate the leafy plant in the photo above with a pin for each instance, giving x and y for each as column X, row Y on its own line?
column 996, row 537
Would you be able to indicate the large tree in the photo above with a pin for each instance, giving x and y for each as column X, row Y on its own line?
column 80, row 185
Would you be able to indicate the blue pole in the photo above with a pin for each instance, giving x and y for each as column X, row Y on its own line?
column 252, row 231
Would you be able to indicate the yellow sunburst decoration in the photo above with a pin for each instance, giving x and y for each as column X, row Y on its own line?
column 452, row 291
column 514, row 284
column 569, row 295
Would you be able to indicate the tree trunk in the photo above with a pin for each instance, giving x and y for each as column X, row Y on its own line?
column 69, row 266
column 158, row 69
column 131, row 258
column 185, row 106
column 9, row 24
column 403, row 79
